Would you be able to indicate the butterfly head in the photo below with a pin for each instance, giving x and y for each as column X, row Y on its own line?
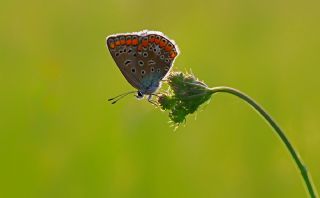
column 139, row 95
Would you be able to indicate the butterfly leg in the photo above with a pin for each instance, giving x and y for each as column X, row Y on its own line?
column 157, row 94
column 152, row 101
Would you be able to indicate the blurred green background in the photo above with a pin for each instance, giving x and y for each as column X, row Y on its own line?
column 60, row 138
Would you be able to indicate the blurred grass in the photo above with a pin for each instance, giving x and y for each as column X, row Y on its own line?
column 60, row 138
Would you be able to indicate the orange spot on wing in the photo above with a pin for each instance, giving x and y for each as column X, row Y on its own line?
column 151, row 38
column 112, row 46
column 168, row 47
column 145, row 42
column 135, row 41
column 128, row 41
column 157, row 40
column 162, row 43
column 173, row 54
column 140, row 47
column 122, row 41
column 117, row 43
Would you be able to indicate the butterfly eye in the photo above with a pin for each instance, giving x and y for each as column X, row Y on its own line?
column 140, row 95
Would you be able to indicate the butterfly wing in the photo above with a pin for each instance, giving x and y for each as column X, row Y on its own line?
column 144, row 58
column 156, row 55
column 123, row 49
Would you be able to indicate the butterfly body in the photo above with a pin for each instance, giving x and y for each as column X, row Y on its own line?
column 144, row 58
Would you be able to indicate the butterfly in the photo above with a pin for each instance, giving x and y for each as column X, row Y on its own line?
column 144, row 58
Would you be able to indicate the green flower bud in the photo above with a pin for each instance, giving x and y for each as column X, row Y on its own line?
column 166, row 102
column 186, row 94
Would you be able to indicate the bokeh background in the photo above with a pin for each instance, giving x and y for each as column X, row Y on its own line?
column 59, row 137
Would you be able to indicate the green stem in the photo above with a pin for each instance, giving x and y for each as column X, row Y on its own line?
column 304, row 172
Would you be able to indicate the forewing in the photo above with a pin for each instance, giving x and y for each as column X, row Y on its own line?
column 123, row 49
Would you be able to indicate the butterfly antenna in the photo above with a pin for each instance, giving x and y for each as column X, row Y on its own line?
column 117, row 98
